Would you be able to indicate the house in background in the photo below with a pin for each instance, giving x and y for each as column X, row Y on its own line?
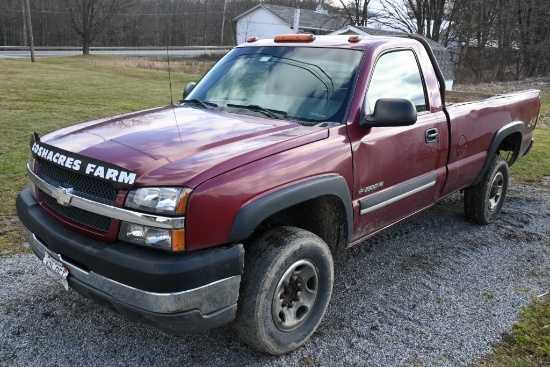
column 442, row 54
column 267, row 21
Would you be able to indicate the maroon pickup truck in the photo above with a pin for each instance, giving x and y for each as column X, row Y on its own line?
column 230, row 205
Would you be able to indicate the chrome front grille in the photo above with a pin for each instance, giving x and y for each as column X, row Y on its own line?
column 78, row 215
column 84, row 186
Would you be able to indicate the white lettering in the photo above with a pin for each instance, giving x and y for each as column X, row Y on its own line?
column 61, row 160
column 69, row 162
column 106, row 173
column 111, row 174
column 99, row 172
column 76, row 164
column 126, row 177
column 90, row 168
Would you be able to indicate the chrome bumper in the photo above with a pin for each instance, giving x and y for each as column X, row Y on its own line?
column 207, row 299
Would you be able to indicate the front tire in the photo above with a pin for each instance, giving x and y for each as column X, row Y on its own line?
column 285, row 290
column 483, row 201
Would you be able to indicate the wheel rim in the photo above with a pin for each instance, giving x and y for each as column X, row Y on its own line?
column 295, row 295
column 495, row 194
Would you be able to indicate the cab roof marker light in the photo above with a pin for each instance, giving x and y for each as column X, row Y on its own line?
column 251, row 39
column 354, row 39
column 294, row 38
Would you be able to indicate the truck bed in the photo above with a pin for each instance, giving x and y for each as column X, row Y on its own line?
column 473, row 124
column 453, row 97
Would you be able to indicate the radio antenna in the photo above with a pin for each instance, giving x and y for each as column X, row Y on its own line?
column 170, row 78
column 169, row 75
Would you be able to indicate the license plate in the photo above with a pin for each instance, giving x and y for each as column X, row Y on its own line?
column 56, row 270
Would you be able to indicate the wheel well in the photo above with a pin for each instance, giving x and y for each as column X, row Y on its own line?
column 512, row 145
column 324, row 216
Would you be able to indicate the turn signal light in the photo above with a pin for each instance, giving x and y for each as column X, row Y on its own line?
column 178, row 240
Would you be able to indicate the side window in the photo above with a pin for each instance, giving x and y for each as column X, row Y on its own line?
column 396, row 75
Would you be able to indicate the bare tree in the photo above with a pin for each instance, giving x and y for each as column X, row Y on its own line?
column 475, row 27
column 497, row 39
column 357, row 11
column 91, row 17
column 430, row 18
column 533, row 36
column 395, row 15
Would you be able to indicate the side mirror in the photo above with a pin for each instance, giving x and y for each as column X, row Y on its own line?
column 391, row 112
column 188, row 88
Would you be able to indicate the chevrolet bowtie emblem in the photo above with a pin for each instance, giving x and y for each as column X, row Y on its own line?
column 63, row 195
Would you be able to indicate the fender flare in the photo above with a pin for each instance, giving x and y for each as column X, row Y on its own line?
column 500, row 135
column 253, row 213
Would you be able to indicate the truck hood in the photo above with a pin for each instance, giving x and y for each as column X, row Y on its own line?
column 182, row 145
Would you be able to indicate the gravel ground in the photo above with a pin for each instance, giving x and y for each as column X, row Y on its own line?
column 434, row 290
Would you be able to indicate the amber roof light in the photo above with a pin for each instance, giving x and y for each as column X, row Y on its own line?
column 294, row 38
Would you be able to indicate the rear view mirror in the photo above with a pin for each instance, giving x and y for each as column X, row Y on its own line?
column 188, row 88
column 390, row 112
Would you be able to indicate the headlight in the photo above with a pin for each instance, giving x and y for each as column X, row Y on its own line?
column 159, row 200
column 165, row 239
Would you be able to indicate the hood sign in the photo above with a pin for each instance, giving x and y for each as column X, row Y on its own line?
column 118, row 176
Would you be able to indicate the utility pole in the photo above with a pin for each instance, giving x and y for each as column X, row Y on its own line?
column 223, row 19
column 29, row 29
column 24, row 31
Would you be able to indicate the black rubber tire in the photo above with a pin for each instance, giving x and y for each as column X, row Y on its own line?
column 270, row 259
column 483, row 201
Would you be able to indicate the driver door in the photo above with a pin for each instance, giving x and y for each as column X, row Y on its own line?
column 396, row 167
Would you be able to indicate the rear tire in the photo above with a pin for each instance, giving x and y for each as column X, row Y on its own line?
column 483, row 201
column 285, row 290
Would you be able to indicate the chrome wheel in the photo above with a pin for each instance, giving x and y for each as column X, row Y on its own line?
column 495, row 193
column 295, row 295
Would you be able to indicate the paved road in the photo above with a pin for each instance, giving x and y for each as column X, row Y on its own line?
column 134, row 53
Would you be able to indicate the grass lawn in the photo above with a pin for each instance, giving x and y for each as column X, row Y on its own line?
column 528, row 345
column 530, row 168
column 57, row 92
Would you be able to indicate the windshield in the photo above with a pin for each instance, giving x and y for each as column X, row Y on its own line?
column 308, row 85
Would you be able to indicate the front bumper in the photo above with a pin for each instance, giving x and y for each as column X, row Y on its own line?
column 174, row 292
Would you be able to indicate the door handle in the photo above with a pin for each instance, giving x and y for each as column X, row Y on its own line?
column 432, row 135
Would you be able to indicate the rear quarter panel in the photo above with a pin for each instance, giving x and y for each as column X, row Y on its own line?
column 473, row 126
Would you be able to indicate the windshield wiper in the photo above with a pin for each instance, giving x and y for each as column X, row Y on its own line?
column 206, row 105
column 279, row 115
